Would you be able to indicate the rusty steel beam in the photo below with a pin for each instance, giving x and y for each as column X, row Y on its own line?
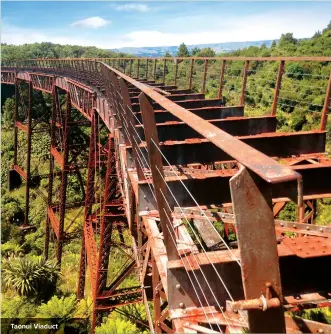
column 187, row 104
column 326, row 107
column 259, row 265
column 156, row 166
column 315, row 180
column 273, row 145
column 28, row 158
column 241, row 126
column 179, row 97
column 220, row 90
column 64, row 179
column 244, row 82
column 88, row 233
column 278, row 87
column 207, row 113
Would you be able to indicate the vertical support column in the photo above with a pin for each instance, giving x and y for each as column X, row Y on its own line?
column 64, row 178
column 252, row 206
column 156, row 297
column 204, row 76
column 326, row 107
column 164, row 70
column 156, row 165
column 82, row 270
column 15, row 120
column 106, row 226
column 191, row 74
column 313, row 207
column 220, row 90
column 130, row 70
column 243, row 87
column 176, row 71
column 89, row 199
column 55, row 106
column 154, row 72
column 138, row 68
column 278, row 87
column 301, row 204
column 146, row 77
column 28, row 158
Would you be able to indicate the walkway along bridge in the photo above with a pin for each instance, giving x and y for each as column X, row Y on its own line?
column 168, row 167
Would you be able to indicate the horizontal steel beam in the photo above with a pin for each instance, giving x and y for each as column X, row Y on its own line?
column 237, row 127
column 274, row 145
column 298, row 277
column 179, row 97
column 188, row 104
column 210, row 188
column 207, row 113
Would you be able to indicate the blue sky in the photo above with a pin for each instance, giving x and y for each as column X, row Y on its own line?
column 110, row 24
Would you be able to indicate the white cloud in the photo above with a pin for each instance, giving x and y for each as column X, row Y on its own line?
column 213, row 30
column 18, row 36
column 198, row 29
column 94, row 22
column 132, row 8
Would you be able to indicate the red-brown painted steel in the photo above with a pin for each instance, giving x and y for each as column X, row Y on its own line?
column 97, row 90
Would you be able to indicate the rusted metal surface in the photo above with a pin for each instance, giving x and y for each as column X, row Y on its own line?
column 305, row 247
column 195, row 150
column 252, row 207
column 203, row 159
column 326, row 107
column 156, row 166
column 64, row 178
column 243, row 126
column 244, row 82
column 278, row 86
column 220, row 90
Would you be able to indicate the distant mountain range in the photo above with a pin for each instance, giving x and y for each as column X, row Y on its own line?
column 159, row 51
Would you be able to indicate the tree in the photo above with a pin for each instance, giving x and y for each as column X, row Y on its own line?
column 328, row 27
column 8, row 112
column 207, row 52
column 195, row 51
column 295, row 71
column 167, row 55
column 17, row 307
column 288, row 38
column 317, row 34
column 31, row 277
column 183, row 51
column 288, row 42
column 273, row 44
column 63, row 308
column 114, row 324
